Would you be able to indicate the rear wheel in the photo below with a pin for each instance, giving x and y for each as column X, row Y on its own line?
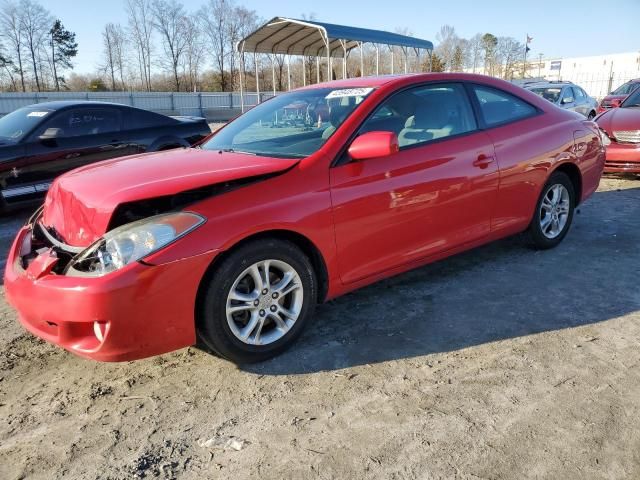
column 591, row 115
column 258, row 301
column 554, row 212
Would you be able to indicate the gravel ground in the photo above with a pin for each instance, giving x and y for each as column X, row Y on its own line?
column 502, row 362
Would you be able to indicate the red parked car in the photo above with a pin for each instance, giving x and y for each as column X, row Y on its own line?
column 235, row 242
column 615, row 98
column 622, row 129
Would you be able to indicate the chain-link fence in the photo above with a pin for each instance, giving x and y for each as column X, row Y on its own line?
column 212, row 106
column 599, row 84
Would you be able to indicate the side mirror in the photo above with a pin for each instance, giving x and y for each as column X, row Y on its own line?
column 567, row 100
column 374, row 145
column 48, row 138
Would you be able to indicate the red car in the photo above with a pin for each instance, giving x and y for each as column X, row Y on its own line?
column 235, row 242
column 622, row 129
column 615, row 98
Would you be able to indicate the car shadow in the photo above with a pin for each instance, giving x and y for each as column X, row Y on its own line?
column 499, row 291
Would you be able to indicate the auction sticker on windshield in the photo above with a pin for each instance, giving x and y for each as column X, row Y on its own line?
column 350, row 92
column 37, row 114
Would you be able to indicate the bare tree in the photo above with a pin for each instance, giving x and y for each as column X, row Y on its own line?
column 240, row 24
column 194, row 52
column 170, row 21
column 475, row 51
column 11, row 30
column 35, row 22
column 447, row 42
column 141, row 32
column 508, row 51
column 215, row 24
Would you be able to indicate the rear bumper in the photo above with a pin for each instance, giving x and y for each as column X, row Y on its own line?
column 622, row 158
column 135, row 312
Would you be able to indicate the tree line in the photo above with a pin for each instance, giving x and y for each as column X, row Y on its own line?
column 163, row 46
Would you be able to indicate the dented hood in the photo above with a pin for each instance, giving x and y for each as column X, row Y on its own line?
column 80, row 204
column 624, row 118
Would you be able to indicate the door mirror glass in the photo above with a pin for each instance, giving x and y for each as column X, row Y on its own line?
column 374, row 145
column 567, row 100
column 51, row 133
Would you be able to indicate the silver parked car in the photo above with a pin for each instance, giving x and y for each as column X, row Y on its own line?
column 566, row 95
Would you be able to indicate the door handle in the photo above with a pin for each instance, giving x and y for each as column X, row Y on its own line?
column 483, row 161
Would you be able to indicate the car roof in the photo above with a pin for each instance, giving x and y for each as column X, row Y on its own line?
column 548, row 84
column 406, row 78
column 60, row 104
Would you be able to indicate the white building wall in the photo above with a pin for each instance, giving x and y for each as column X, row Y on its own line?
column 598, row 74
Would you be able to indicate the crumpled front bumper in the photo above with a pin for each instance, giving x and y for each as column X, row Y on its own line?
column 622, row 157
column 136, row 312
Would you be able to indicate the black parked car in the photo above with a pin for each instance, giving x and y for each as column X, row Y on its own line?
column 40, row 142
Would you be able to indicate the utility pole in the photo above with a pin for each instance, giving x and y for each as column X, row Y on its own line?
column 539, row 63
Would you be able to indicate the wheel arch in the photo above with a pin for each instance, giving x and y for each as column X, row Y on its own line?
column 574, row 174
column 298, row 239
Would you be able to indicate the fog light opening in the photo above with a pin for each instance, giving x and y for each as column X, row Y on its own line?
column 100, row 330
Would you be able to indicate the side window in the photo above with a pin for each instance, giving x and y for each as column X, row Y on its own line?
column 83, row 121
column 424, row 113
column 578, row 94
column 498, row 107
column 136, row 118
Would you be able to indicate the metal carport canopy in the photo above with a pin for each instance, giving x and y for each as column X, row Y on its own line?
column 307, row 37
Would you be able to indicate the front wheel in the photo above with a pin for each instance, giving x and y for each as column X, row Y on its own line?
column 554, row 212
column 257, row 301
column 591, row 115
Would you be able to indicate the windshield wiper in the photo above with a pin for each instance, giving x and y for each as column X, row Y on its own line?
column 231, row 150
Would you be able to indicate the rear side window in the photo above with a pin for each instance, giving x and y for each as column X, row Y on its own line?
column 135, row 118
column 498, row 107
column 83, row 121
column 578, row 94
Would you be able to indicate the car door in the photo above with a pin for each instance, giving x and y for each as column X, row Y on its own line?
column 73, row 138
column 567, row 101
column 435, row 193
column 581, row 101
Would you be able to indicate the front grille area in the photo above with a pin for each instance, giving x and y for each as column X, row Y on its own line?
column 627, row 136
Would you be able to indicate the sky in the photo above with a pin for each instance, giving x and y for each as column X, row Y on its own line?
column 559, row 28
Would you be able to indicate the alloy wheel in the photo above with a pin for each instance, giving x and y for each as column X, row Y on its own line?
column 554, row 211
column 264, row 302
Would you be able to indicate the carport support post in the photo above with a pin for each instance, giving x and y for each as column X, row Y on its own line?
column 344, row 58
column 255, row 61
column 288, row 73
column 318, row 68
column 392, row 60
column 361, row 60
column 404, row 50
column 304, row 72
column 241, row 73
column 273, row 75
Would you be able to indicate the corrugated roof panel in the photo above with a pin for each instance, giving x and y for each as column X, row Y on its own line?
column 304, row 37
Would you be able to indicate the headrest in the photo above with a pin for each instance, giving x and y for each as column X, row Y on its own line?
column 338, row 113
column 431, row 115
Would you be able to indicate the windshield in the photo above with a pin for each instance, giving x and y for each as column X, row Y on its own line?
column 632, row 100
column 15, row 125
column 549, row 93
column 291, row 125
column 625, row 89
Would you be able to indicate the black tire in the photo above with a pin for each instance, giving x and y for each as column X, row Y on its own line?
column 591, row 115
column 536, row 236
column 212, row 326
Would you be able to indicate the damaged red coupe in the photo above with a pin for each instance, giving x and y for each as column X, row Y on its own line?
column 305, row 197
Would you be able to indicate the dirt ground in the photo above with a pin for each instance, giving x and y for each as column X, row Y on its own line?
column 502, row 362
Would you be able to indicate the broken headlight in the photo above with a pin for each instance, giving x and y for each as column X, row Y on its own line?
column 132, row 242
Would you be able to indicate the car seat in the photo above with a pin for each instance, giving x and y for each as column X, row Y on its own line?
column 337, row 114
